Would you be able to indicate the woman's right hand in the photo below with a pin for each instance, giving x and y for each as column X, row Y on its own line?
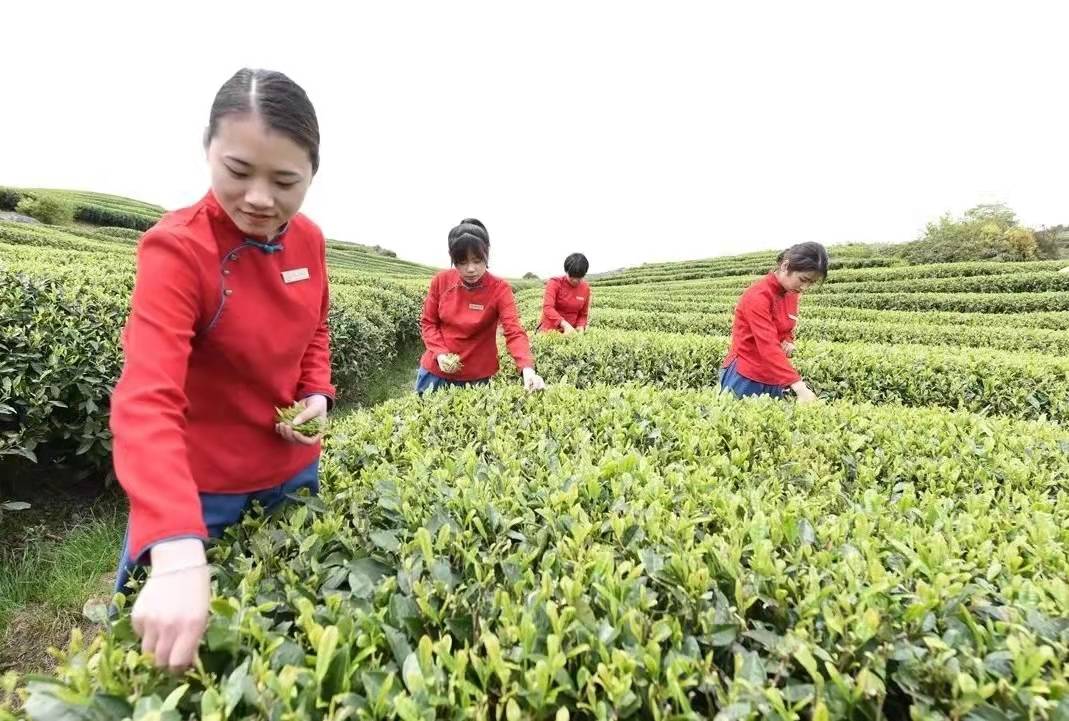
column 567, row 327
column 171, row 610
column 803, row 392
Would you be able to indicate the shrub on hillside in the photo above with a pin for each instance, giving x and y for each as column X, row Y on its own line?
column 47, row 209
column 986, row 232
column 9, row 198
column 1048, row 240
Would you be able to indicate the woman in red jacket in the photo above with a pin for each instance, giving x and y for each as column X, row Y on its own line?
column 228, row 320
column 463, row 309
column 762, row 335
column 566, row 304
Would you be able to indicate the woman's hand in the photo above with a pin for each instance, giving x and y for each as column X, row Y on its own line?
column 315, row 407
column 567, row 327
column 532, row 381
column 788, row 348
column 171, row 610
column 803, row 392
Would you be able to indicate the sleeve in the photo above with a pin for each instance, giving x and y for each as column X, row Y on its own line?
column 550, row 316
column 430, row 323
column 315, row 365
column 758, row 315
column 149, row 404
column 584, row 314
column 516, row 339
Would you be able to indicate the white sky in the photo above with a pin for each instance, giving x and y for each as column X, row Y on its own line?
column 629, row 131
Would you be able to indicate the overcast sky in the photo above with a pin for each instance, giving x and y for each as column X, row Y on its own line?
column 629, row 131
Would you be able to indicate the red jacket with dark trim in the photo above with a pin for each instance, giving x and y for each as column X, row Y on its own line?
column 220, row 333
column 462, row 320
column 765, row 316
column 562, row 301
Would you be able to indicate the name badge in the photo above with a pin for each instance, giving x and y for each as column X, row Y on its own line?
column 292, row 276
column 475, row 306
column 580, row 297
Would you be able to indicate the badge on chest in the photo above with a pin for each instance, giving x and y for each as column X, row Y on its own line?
column 476, row 306
column 294, row 275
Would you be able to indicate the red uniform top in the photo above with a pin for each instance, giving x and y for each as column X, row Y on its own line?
column 564, row 302
column 220, row 333
column 765, row 317
column 462, row 320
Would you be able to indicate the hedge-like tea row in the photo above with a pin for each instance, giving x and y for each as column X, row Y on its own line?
column 633, row 553
column 958, row 302
column 1017, row 385
column 101, row 215
column 60, row 357
column 1036, row 282
column 954, row 302
column 688, row 272
column 942, row 278
column 943, row 270
column 621, row 301
column 44, row 236
column 1037, row 340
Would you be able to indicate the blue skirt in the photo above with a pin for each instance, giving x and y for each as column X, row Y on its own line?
column 741, row 386
column 427, row 381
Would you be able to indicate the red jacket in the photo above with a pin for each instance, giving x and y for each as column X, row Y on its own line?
column 563, row 302
column 765, row 316
column 220, row 333
column 462, row 320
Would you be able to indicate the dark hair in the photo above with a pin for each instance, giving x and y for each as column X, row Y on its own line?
column 469, row 237
column 576, row 265
column 805, row 258
column 474, row 226
column 467, row 244
column 280, row 102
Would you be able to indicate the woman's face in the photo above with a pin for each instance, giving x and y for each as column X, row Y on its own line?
column 259, row 176
column 472, row 269
column 794, row 281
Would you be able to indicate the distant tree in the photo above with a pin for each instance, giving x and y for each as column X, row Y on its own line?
column 47, row 209
column 1050, row 240
column 530, row 276
column 989, row 231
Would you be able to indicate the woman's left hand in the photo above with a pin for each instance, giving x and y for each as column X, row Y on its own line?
column 532, row 381
column 315, row 406
column 788, row 348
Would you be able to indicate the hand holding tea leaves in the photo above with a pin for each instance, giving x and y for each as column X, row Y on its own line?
column 450, row 363
column 567, row 327
column 788, row 348
column 303, row 422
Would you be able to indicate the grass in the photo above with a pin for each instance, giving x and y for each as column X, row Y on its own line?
column 46, row 580
column 393, row 380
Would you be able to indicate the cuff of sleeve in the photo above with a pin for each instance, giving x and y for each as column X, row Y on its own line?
column 142, row 556
column 329, row 395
